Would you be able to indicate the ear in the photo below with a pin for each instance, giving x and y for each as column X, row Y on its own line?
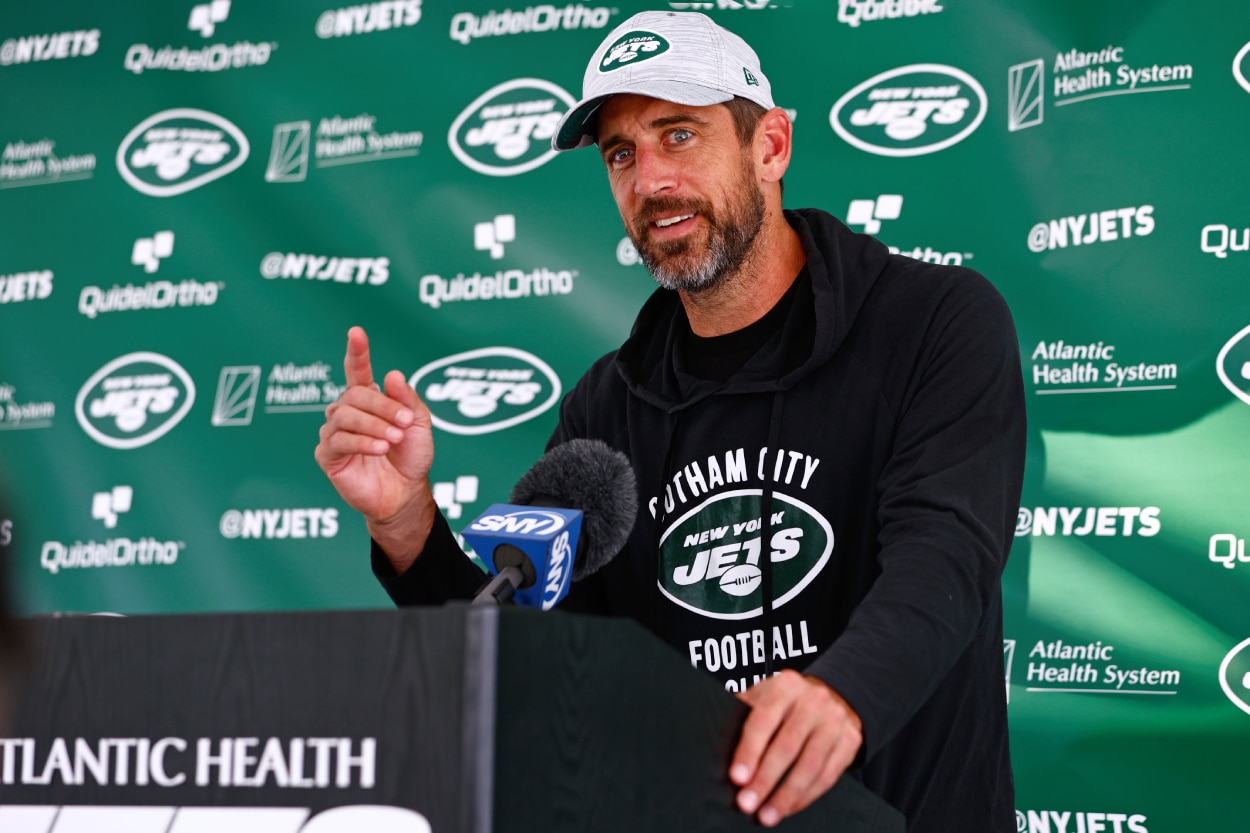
column 772, row 145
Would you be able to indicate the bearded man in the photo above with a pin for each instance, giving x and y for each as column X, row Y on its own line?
column 862, row 412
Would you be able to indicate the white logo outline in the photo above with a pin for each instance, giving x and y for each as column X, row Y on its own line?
column 1219, row 365
column 1228, row 658
column 196, row 181
column 511, row 352
column 153, row 435
column 941, row 69
column 476, row 105
column 1238, row 75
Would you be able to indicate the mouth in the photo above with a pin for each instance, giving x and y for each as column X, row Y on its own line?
column 666, row 222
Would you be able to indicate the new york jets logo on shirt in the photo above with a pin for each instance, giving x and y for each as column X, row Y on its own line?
column 712, row 557
column 632, row 48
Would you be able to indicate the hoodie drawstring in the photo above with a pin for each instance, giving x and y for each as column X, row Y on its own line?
column 766, row 518
column 660, row 520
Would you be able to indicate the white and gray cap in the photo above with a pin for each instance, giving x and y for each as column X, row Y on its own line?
column 682, row 57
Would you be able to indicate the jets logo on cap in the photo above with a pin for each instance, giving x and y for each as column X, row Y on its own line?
column 631, row 48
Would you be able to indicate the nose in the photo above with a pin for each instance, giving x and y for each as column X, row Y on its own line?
column 654, row 172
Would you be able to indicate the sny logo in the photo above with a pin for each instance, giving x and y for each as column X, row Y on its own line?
column 870, row 213
column 490, row 237
column 106, row 506
column 204, row 18
column 149, row 251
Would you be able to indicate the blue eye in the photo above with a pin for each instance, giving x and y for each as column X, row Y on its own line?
column 681, row 134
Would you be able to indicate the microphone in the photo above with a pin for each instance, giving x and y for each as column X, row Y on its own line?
column 571, row 513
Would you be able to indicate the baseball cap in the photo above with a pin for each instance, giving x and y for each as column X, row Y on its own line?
column 682, row 57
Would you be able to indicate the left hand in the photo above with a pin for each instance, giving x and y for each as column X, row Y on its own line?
column 799, row 728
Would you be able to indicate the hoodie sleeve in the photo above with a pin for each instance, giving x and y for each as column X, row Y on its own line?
column 441, row 573
column 946, row 508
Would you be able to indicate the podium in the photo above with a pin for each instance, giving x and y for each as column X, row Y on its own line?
column 455, row 718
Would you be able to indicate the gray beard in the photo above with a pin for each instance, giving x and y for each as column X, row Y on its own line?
column 729, row 243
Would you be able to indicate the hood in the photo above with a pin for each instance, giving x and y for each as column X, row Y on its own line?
column 843, row 267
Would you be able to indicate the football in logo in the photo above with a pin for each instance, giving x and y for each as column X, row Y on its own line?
column 507, row 130
column 486, row 390
column 176, row 151
column 134, row 400
column 910, row 111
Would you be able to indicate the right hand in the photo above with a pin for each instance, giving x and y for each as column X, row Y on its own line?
column 377, row 448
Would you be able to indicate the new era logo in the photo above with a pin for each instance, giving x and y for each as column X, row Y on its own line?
column 149, row 251
column 870, row 213
column 490, row 237
column 204, row 18
column 106, row 506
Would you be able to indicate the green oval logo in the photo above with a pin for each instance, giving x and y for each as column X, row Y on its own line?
column 175, row 151
column 712, row 556
column 632, row 48
column 134, row 400
column 486, row 390
column 911, row 110
column 507, row 130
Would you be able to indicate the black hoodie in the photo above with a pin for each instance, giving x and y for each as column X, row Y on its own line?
column 882, row 425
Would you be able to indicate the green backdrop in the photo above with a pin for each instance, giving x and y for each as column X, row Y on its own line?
column 198, row 199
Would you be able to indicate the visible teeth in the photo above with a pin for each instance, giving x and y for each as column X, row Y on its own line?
column 669, row 221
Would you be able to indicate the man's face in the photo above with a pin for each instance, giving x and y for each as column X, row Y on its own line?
column 685, row 187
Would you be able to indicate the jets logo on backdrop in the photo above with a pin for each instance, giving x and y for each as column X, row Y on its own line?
column 486, row 390
column 1241, row 67
column 712, row 556
column 134, row 400
column 632, row 48
column 1233, row 365
column 911, row 110
column 1235, row 676
column 176, row 151
column 507, row 130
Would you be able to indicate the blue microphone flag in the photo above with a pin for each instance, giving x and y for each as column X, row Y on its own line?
column 547, row 536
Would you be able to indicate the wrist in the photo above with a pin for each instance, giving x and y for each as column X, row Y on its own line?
column 402, row 535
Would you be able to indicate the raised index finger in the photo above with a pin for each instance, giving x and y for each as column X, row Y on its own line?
column 356, row 363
